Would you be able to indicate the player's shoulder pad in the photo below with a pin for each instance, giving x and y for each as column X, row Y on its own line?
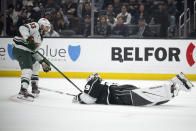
column 34, row 26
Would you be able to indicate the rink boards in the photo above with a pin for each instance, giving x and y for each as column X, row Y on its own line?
column 147, row 59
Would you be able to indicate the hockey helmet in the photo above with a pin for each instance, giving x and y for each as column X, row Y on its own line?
column 45, row 23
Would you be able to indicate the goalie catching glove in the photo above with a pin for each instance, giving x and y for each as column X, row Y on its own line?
column 45, row 65
column 31, row 43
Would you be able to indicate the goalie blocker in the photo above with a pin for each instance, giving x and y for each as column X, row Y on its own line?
column 102, row 93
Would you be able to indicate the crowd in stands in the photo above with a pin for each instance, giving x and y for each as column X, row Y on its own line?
column 126, row 18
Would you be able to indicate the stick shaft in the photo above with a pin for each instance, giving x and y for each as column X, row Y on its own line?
column 55, row 91
column 59, row 71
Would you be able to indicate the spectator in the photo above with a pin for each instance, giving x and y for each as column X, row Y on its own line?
column 110, row 10
column 59, row 23
column 50, row 17
column 142, row 14
column 64, row 13
column 12, row 14
column 9, row 22
column 70, row 15
column 99, row 4
column 41, row 12
column 71, row 7
column 71, row 20
column 1, row 25
column 85, row 28
column 31, row 14
column 52, row 7
column 120, row 28
column 171, row 32
column 125, row 15
column 106, row 3
column 17, row 12
column 81, row 7
column 171, row 8
column 124, row 1
column 74, row 23
column 161, row 18
column 111, row 20
column 86, row 10
column 149, row 6
column 25, row 2
column 142, row 30
column 180, row 6
column 52, row 32
column 117, row 7
column 22, row 19
column 172, row 11
column 133, row 7
column 152, row 21
column 36, row 5
column 102, row 27
column 12, row 30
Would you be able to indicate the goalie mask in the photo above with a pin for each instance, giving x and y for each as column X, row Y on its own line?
column 93, row 77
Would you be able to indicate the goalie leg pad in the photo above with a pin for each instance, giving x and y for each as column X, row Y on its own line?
column 151, row 96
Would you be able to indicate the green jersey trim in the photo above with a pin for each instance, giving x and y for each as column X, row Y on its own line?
column 20, row 42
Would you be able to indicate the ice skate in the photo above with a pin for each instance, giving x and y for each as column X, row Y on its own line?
column 183, row 82
column 24, row 95
column 35, row 92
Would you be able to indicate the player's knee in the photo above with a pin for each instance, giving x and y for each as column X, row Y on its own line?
column 27, row 73
column 36, row 67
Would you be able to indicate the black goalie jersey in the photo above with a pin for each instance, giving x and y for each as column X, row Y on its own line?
column 112, row 94
column 96, row 92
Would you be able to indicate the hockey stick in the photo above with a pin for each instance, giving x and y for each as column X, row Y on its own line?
column 55, row 91
column 58, row 71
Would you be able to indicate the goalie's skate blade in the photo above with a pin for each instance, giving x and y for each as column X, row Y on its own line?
column 25, row 98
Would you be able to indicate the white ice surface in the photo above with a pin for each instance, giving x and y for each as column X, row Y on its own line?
column 56, row 112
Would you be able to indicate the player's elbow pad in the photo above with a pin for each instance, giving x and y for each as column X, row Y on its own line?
column 24, row 31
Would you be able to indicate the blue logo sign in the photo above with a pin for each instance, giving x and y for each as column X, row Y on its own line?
column 9, row 48
column 74, row 52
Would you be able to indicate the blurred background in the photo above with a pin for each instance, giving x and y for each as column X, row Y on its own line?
column 166, row 19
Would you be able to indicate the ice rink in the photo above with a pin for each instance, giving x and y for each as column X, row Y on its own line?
column 56, row 112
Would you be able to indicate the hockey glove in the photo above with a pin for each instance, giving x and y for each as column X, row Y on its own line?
column 45, row 65
column 76, row 99
column 31, row 43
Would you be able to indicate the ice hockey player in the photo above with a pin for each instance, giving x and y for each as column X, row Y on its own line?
column 96, row 92
column 24, row 51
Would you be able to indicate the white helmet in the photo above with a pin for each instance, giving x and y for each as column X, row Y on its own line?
column 45, row 23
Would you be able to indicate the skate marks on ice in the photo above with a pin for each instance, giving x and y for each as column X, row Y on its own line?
column 49, row 100
column 179, row 114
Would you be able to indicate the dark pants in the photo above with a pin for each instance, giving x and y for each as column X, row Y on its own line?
column 120, row 95
column 25, row 58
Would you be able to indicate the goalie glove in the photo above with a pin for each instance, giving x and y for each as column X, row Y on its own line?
column 84, row 98
column 76, row 99
column 31, row 43
column 45, row 65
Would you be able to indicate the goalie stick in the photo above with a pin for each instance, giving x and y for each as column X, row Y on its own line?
column 55, row 91
column 59, row 71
